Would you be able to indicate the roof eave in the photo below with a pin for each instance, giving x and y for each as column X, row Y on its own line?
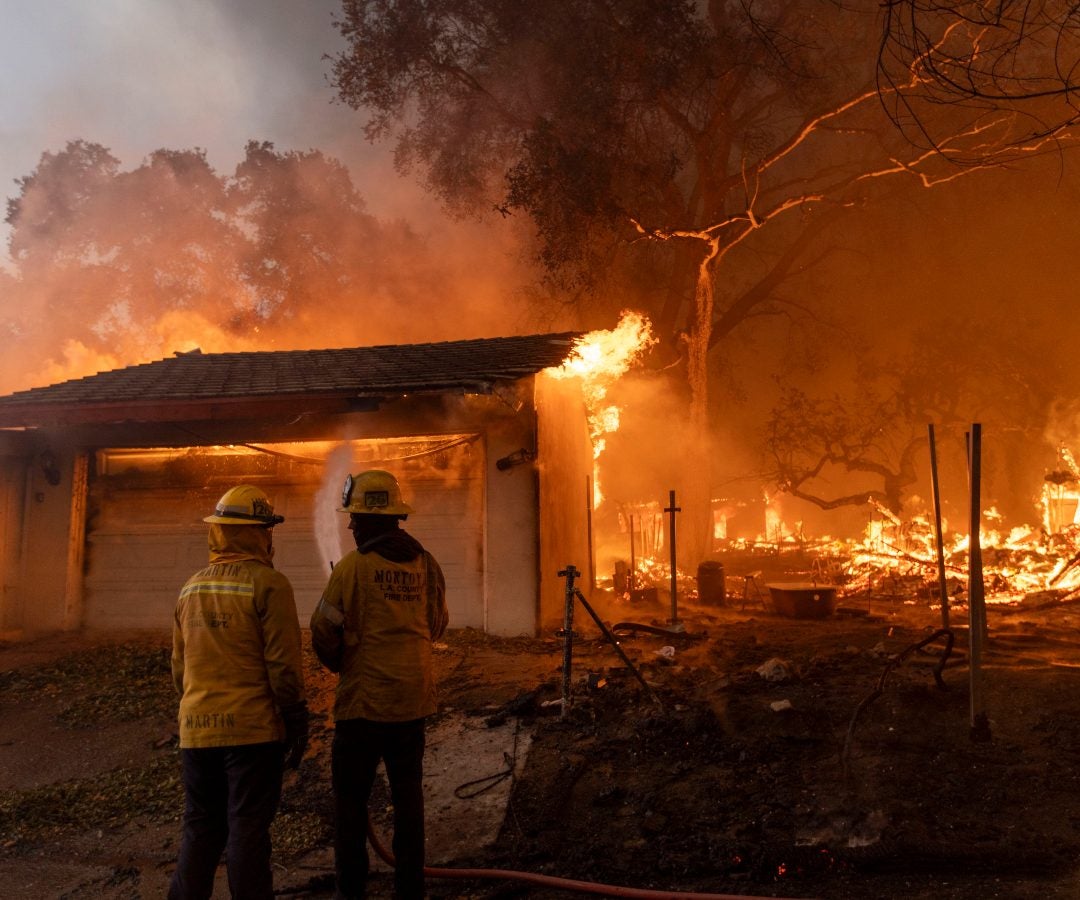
column 280, row 406
column 52, row 415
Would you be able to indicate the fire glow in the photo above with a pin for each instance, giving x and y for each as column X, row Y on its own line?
column 895, row 558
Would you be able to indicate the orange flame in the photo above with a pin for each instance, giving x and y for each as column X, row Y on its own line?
column 599, row 359
column 903, row 552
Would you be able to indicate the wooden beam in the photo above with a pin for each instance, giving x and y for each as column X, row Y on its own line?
column 45, row 415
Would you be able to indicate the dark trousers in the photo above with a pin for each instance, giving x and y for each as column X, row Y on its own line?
column 232, row 794
column 359, row 744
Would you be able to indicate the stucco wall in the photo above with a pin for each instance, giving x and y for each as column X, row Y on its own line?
column 512, row 529
column 45, row 594
column 565, row 466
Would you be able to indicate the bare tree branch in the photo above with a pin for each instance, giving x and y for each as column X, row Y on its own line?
column 975, row 59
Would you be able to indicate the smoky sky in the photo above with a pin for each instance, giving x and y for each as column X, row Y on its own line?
column 136, row 76
column 140, row 75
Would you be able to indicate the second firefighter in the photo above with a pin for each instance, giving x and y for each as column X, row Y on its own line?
column 382, row 610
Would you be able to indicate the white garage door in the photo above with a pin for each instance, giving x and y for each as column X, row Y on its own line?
column 145, row 534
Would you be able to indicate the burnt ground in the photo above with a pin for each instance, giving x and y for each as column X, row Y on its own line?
column 764, row 756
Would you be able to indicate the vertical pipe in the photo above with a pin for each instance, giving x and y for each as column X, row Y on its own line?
column 588, row 521
column 633, row 560
column 980, row 724
column 74, row 599
column 671, row 510
column 974, row 469
column 569, row 573
column 943, row 587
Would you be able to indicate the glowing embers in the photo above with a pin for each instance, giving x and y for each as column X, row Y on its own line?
column 211, row 465
column 293, row 461
column 897, row 558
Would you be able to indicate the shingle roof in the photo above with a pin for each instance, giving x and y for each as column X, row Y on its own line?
column 218, row 381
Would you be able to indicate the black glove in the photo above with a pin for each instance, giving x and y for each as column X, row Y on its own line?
column 296, row 733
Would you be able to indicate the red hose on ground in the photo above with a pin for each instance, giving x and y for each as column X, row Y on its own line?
column 552, row 881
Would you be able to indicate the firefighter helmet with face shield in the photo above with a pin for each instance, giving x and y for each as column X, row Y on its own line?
column 244, row 504
column 373, row 492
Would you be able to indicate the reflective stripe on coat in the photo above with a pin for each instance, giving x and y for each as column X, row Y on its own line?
column 236, row 644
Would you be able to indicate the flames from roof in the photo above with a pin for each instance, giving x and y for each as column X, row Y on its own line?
column 599, row 359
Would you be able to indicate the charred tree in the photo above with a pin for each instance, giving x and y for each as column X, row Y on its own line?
column 711, row 144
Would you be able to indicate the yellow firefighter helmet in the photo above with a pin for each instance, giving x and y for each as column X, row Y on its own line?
column 373, row 492
column 244, row 504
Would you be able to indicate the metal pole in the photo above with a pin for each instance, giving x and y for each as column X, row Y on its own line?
column 980, row 723
column 671, row 509
column 942, row 584
column 976, row 545
column 569, row 573
column 633, row 560
column 588, row 519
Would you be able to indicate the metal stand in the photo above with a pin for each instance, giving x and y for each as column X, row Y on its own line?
column 943, row 585
column 980, row 722
column 675, row 625
column 751, row 582
column 570, row 573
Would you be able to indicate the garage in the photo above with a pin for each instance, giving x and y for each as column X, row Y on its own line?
column 111, row 475
column 145, row 533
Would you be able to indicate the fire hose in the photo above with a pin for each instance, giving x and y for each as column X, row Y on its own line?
column 552, row 881
column 894, row 662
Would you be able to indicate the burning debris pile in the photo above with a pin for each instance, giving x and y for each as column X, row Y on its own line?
column 896, row 559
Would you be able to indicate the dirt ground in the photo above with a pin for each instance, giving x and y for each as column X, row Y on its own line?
column 756, row 756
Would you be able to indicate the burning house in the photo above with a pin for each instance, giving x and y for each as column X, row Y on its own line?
column 104, row 479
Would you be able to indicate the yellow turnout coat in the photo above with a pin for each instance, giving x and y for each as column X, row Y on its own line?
column 375, row 625
column 236, row 658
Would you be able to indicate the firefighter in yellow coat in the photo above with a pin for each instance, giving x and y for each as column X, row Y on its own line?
column 236, row 662
column 383, row 608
